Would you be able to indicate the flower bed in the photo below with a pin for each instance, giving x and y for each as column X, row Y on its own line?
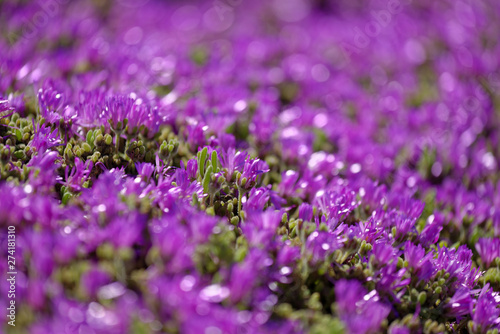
column 250, row 167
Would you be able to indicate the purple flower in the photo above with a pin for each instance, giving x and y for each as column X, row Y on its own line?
column 94, row 279
column 418, row 261
column 457, row 262
column 43, row 176
column 361, row 312
column 232, row 161
column 191, row 168
column 321, row 244
column 287, row 186
column 488, row 249
column 257, row 199
column 245, row 275
column 390, row 279
column 5, row 109
column 118, row 108
column 337, row 205
column 260, row 227
column 252, row 169
column 36, row 293
column 44, row 139
column 103, row 198
column 145, row 169
column 399, row 329
column 196, row 136
column 460, row 304
column 431, row 231
column 384, row 253
column 486, row 314
column 125, row 231
column 78, row 175
column 305, row 212
column 53, row 101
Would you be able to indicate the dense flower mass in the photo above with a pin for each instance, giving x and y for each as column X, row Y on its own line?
column 278, row 166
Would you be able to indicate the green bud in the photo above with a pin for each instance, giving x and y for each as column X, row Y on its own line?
column 470, row 326
column 90, row 138
column 126, row 253
column 99, row 139
column 363, row 245
column 210, row 211
column 422, row 297
column 314, row 302
column 105, row 251
column 240, row 254
column 235, row 220
column 284, row 310
column 86, row 148
column 20, row 155
column 5, row 153
column 153, row 255
column 243, row 181
column 66, row 197
column 414, row 295
column 108, row 139
column 438, row 290
column 19, row 135
column 230, row 207
column 400, row 263
column 95, row 157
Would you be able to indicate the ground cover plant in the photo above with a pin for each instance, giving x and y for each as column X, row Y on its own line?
column 250, row 166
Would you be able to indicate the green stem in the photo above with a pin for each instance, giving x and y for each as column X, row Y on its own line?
column 117, row 141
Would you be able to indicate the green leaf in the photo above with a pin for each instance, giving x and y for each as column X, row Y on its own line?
column 206, row 179
column 202, row 157
column 19, row 135
column 90, row 138
column 214, row 161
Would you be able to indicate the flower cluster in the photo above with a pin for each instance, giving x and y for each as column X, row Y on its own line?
column 283, row 166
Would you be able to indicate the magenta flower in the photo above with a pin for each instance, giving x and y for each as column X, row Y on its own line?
column 488, row 249
column 361, row 312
